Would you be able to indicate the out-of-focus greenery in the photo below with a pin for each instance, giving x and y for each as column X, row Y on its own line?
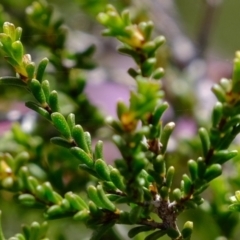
column 68, row 72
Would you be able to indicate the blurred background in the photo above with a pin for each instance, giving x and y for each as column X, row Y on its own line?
column 202, row 38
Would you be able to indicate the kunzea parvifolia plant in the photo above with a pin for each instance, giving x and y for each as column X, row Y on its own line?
column 136, row 189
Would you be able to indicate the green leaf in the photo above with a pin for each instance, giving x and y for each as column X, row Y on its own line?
column 219, row 93
column 30, row 68
column 9, row 29
column 27, row 199
column 88, row 170
column 51, row 196
column 82, row 215
column 104, row 199
column 201, row 167
column 217, row 114
column 54, row 211
column 117, row 179
column 82, row 156
column 71, row 121
column 160, row 40
column 41, row 111
column 159, row 165
column 102, row 169
column 187, row 184
column 79, row 137
column 235, row 207
column 237, row 195
column 46, row 89
column 158, row 73
column 94, row 210
column 236, row 74
column 88, row 141
column 6, row 44
column 35, row 231
column 17, row 50
column 173, row 233
column 121, row 109
column 193, row 169
column 156, row 235
column 135, row 214
column 187, row 230
column 1, row 231
column 136, row 230
column 166, row 133
column 41, row 69
column 223, row 155
column 12, row 81
column 99, row 150
column 76, row 202
column 61, row 142
column 148, row 67
column 93, row 195
column 101, row 230
column 37, row 92
column 205, row 140
column 60, row 123
column 212, row 172
column 177, row 194
column 169, row 176
column 53, row 101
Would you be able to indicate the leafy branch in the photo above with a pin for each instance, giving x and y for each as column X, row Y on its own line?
column 141, row 179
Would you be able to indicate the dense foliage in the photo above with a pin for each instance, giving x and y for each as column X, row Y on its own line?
column 148, row 186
